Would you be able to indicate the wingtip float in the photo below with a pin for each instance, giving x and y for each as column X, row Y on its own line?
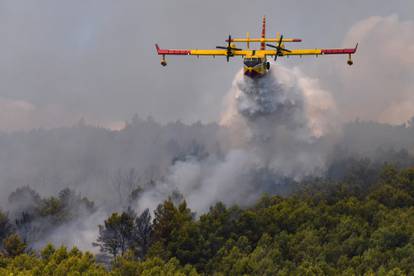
column 255, row 60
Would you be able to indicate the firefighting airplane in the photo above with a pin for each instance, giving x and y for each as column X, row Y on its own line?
column 255, row 61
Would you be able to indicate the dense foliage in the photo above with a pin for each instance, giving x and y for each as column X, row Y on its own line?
column 363, row 225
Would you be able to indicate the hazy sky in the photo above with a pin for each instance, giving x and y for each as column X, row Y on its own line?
column 63, row 60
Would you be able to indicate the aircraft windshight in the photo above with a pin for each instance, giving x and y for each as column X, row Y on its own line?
column 255, row 60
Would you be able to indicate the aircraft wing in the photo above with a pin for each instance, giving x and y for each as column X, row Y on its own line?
column 307, row 52
column 199, row 52
column 185, row 52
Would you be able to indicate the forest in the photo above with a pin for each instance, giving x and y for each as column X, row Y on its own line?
column 356, row 217
column 361, row 225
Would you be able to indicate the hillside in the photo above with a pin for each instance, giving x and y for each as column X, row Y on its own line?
column 362, row 225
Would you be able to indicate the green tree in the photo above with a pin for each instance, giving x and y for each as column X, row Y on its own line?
column 127, row 266
column 165, row 221
column 167, row 218
column 142, row 232
column 13, row 245
column 116, row 235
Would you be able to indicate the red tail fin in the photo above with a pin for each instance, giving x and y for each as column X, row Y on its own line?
column 263, row 45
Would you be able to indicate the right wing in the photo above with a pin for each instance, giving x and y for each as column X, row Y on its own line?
column 196, row 52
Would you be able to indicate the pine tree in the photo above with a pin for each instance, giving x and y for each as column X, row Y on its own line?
column 116, row 235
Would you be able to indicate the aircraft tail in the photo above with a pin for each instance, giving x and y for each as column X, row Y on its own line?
column 263, row 44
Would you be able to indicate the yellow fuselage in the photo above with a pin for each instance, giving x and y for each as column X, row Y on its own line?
column 255, row 67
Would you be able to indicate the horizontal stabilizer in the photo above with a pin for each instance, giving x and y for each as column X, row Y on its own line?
column 264, row 40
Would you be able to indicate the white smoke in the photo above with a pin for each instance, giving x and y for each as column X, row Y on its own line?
column 284, row 97
column 80, row 233
column 281, row 125
column 274, row 129
column 379, row 87
column 17, row 115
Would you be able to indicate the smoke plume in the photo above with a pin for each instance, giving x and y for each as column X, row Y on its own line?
column 279, row 126
column 273, row 132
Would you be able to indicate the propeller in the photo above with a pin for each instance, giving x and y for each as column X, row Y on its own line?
column 278, row 48
column 229, row 49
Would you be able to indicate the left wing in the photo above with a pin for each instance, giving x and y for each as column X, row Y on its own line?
column 307, row 52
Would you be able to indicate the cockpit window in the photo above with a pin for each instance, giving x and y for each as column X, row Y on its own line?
column 251, row 62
